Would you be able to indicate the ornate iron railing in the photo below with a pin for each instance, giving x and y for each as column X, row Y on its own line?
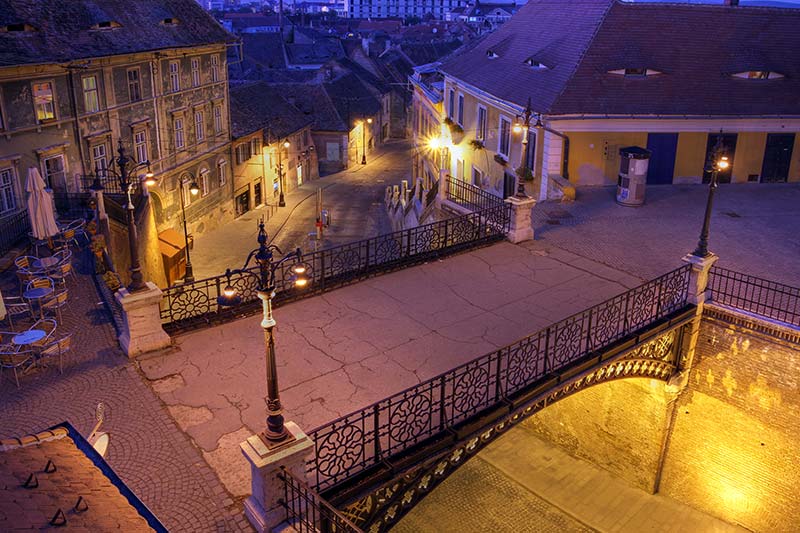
column 759, row 296
column 185, row 306
column 472, row 197
column 13, row 229
column 111, row 185
column 350, row 445
column 307, row 511
column 72, row 205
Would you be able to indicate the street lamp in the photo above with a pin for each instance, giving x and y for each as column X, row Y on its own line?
column 275, row 433
column 121, row 168
column 523, row 125
column 194, row 189
column 720, row 162
column 281, row 201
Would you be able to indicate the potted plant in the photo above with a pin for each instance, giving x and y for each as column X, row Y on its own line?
column 112, row 280
column 476, row 144
column 500, row 160
column 98, row 246
column 91, row 227
column 455, row 128
column 525, row 173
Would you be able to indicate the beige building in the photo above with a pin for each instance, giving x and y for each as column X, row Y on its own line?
column 595, row 86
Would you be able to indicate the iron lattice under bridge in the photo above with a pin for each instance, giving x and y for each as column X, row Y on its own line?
column 195, row 304
column 377, row 462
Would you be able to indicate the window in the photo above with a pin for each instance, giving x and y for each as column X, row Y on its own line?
column 222, row 172
column 8, row 201
column 204, row 182
column 243, row 153
column 140, row 143
column 635, row 72
column 99, row 157
column 451, row 101
column 54, row 170
column 217, row 119
column 134, row 86
column 91, row 102
column 256, row 146
column 214, row 68
column 43, row 101
column 186, row 181
column 460, row 109
column 199, row 126
column 195, row 72
column 178, row 127
column 477, row 177
column 480, row 126
column 174, row 76
column 758, row 75
column 504, row 139
column 460, row 169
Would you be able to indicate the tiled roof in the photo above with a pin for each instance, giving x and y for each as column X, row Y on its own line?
column 49, row 472
column 261, row 106
column 312, row 100
column 63, row 28
column 696, row 47
column 264, row 50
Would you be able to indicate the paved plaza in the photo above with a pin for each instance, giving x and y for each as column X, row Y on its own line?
column 177, row 417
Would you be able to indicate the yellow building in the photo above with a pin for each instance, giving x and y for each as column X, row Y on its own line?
column 601, row 75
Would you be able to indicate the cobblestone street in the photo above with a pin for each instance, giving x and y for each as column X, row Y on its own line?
column 147, row 450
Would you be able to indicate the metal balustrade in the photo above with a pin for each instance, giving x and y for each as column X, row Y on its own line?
column 307, row 511
column 350, row 445
column 755, row 295
column 13, row 229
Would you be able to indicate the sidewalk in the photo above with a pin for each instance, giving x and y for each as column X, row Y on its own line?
column 521, row 483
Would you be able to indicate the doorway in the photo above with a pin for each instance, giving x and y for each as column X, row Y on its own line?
column 257, row 196
column 728, row 150
column 777, row 157
column 663, row 149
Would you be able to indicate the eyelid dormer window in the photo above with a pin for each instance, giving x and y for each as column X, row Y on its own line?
column 758, row 75
column 107, row 25
column 170, row 21
column 491, row 54
column 17, row 28
column 536, row 65
column 635, row 72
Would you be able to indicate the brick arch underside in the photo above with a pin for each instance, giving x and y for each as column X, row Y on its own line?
column 382, row 508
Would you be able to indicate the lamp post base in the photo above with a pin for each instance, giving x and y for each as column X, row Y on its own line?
column 364, row 160
column 281, row 200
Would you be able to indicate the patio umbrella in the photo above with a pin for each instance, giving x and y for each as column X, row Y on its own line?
column 40, row 206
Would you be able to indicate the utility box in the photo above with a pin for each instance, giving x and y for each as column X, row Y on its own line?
column 633, row 163
column 173, row 254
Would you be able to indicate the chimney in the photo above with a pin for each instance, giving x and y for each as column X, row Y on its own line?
column 731, row 2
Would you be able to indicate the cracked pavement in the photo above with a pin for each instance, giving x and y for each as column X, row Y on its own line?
column 345, row 349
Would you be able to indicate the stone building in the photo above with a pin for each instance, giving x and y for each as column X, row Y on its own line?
column 368, row 9
column 605, row 74
column 262, row 123
column 76, row 79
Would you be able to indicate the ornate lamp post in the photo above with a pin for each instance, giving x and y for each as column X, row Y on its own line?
column 720, row 162
column 281, row 200
column 121, row 168
column 275, row 433
column 523, row 125
column 194, row 189
column 363, row 124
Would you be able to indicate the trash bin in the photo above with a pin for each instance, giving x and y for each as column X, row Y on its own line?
column 632, row 175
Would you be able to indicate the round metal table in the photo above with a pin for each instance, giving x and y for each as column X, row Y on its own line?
column 28, row 337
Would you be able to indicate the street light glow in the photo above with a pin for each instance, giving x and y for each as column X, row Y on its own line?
column 517, row 128
column 369, row 121
column 194, row 188
column 723, row 163
column 286, row 144
column 435, row 143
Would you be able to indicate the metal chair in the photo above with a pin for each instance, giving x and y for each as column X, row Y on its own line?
column 64, row 239
column 40, row 283
column 48, row 325
column 56, row 303
column 79, row 227
column 15, row 307
column 57, row 348
column 14, row 361
column 60, row 275
column 25, row 262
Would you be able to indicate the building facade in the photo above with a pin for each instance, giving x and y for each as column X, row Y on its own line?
column 363, row 9
column 606, row 88
column 156, row 84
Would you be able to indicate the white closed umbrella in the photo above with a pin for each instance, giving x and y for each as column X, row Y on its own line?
column 40, row 206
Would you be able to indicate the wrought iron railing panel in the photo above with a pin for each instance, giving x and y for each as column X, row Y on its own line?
column 307, row 511
column 495, row 209
column 13, row 229
column 196, row 302
column 351, row 444
column 759, row 296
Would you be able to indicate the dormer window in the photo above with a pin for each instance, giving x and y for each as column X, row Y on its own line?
column 17, row 28
column 535, row 65
column 491, row 54
column 170, row 21
column 758, row 75
column 635, row 72
column 107, row 25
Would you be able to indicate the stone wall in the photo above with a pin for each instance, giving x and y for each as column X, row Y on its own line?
column 735, row 447
column 149, row 252
column 618, row 426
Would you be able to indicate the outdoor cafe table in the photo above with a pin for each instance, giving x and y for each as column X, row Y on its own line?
column 45, row 263
column 38, row 294
column 28, row 337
